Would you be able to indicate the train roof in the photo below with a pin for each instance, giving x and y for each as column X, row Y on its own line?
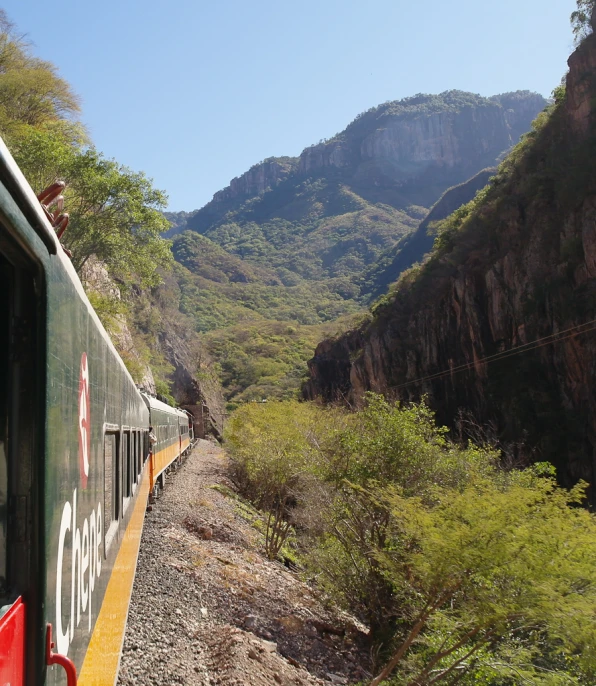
column 155, row 404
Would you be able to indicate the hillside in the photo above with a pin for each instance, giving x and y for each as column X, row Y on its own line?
column 333, row 211
column 514, row 266
column 408, row 250
column 306, row 240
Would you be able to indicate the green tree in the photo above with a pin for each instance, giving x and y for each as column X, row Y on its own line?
column 276, row 448
column 114, row 212
column 32, row 94
column 499, row 579
column 385, row 444
column 581, row 19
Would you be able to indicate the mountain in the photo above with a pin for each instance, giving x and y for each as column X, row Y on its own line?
column 512, row 275
column 335, row 209
column 377, row 278
column 299, row 239
column 178, row 222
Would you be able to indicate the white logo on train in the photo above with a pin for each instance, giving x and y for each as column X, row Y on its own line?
column 84, row 421
column 85, row 537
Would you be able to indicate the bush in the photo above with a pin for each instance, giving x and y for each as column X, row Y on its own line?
column 276, row 452
column 464, row 571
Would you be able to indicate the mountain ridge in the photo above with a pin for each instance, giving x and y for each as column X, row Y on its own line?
column 291, row 239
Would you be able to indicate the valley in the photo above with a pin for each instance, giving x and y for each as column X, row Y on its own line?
column 307, row 243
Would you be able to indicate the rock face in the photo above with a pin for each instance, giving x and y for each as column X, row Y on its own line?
column 96, row 280
column 519, row 276
column 202, row 397
column 176, row 343
column 258, row 179
column 422, row 144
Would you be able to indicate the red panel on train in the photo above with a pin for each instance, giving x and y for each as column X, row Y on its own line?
column 12, row 645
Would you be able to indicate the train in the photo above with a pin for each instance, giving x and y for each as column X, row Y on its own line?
column 77, row 465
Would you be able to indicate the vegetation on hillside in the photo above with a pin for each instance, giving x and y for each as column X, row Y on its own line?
column 115, row 213
column 297, row 239
column 260, row 323
column 265, row 360
column 458, row 566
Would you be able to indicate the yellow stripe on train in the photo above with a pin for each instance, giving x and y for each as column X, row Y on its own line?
column 100, row 667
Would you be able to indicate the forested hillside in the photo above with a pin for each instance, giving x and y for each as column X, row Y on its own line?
column 114, row 232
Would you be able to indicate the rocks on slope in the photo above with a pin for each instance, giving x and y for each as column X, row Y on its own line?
column 208, row 608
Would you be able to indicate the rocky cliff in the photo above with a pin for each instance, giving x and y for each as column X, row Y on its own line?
column 402, row 152
column 513, row 271
column 159, row 346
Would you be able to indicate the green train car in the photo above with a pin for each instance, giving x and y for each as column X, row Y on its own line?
column 75, row 468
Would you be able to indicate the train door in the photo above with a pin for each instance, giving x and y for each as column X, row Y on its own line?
column 22, row 572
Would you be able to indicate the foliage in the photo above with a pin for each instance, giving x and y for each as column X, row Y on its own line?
column 114, row 212
column 275, row 452
column 465, row 572
column 581, row 19
column 500, row 581
column 259, row 324
column 383, row 445
column 32, row 95
column 325, row 231
column 266, row 359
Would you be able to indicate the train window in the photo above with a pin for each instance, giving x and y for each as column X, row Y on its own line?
column 126, row 457
column 133, row 459
column 138, row 454
column 111, row 503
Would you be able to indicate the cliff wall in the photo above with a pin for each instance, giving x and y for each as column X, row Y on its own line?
column 517, row 268
column 437, row 140
column 153, row 335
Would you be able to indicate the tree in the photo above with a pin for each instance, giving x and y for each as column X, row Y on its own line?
column 385, row 444
column 581, row 19
column 500, row 580
column 31, row 92
column 276, row 448
column 114, row 212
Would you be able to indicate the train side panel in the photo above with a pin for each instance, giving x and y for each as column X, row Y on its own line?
column 96, row 423
column 85, row 472
column 96, row 420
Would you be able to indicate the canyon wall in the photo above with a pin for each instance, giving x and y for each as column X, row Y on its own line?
column 519, row 269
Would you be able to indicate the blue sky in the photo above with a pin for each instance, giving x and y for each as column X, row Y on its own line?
column 194, row 92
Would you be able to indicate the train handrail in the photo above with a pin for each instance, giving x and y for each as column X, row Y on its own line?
column 53, row 658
